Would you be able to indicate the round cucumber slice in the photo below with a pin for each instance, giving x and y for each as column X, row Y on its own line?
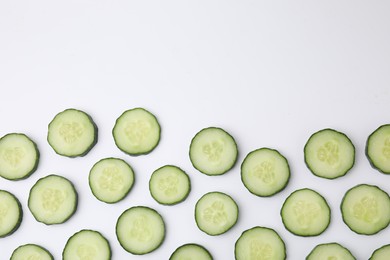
column 381, row 253
column 31, row 251
column 11, row 213
column 191, row 252
column 378, row 149
column 19, row 156
column 328, row 251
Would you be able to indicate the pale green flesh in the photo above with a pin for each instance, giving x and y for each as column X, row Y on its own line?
column 382, row 253
column 169, row 185
column 191, row 252
column 87, row 244
column 330, row 251
column 366, row 209
column 378, row 149
column 329, row 154
column 216, row 213
column 31, row 252
column 260, row 243
column 213, row 151
column 10, row 213
column 52, row 200
column 136, row 131
column 305, row 213
column 18, row 156
column 140, row 230
column 264, row 172
column 111, row 179
column 71, row 133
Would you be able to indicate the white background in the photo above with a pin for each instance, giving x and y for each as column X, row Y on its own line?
column 270, row 73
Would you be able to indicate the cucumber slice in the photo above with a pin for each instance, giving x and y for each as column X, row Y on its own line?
column 87, row 244
column 31, row 252
column 381, row 253
column 19, row 156
column 136, row 132
column 52, row 200
column 111, row 179
column 260, row 243
column 330, row 251
column 378, row 149
column 140, row 230
column 213, row 151
column 305, row 213
column 72, row 133
column 191, row 252
column 11, row 213
column 366, row 209
column 265, row 172
column 329, row 154
column 169, row 185
column 216, row 213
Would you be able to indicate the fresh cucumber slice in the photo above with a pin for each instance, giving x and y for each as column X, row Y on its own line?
column 366, row 209
column 213, row 151
column 111, row 179
column 260, row 243
column 330, row 251
column 11, row 213
column 265, row 172
column 31, row 252
column 191, row 252
column 329, row 154
column 52, row 200
column 87, row 244
column 136, row 131
column 140, row 230
column 378, row 149
column 216, row 213
column 72, row 133
column 305, row 213
column 382, row 253
column 169, row 185
column 19, row 156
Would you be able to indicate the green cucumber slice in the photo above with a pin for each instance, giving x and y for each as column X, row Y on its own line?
column 31, row 252
column 19, row 156
column 329, row 154
column 87, row 244
column 191, row 251
column 111, row 179
column 72, row 133
column 305, row 213
column 260, row 243
column 213, row 151
column 366, row 209
column 136, row 131
column 378, row 149
column 381, row 253
column 216, row 213
column 169, row 185
column 265, row 172
column 329, row 251
column 11, row 213
column 52, row 200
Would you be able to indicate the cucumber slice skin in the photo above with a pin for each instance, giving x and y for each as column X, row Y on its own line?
column 19, row 213
column 119, row 197
column 170, row 202
column 196, row 165
column 316, row 253
column 310, row 165
column 375, row 162
column 86, row 149
column 381, row 253
column 279, row 156
column 240, row 251
column 324, row 206
column 34, row 167
column 133, row 210
column 69, row 214
column 198, row 213
column 347, row 220
column 18, row 254
column 116, row 131
column 69, row 253
column 182, row 251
